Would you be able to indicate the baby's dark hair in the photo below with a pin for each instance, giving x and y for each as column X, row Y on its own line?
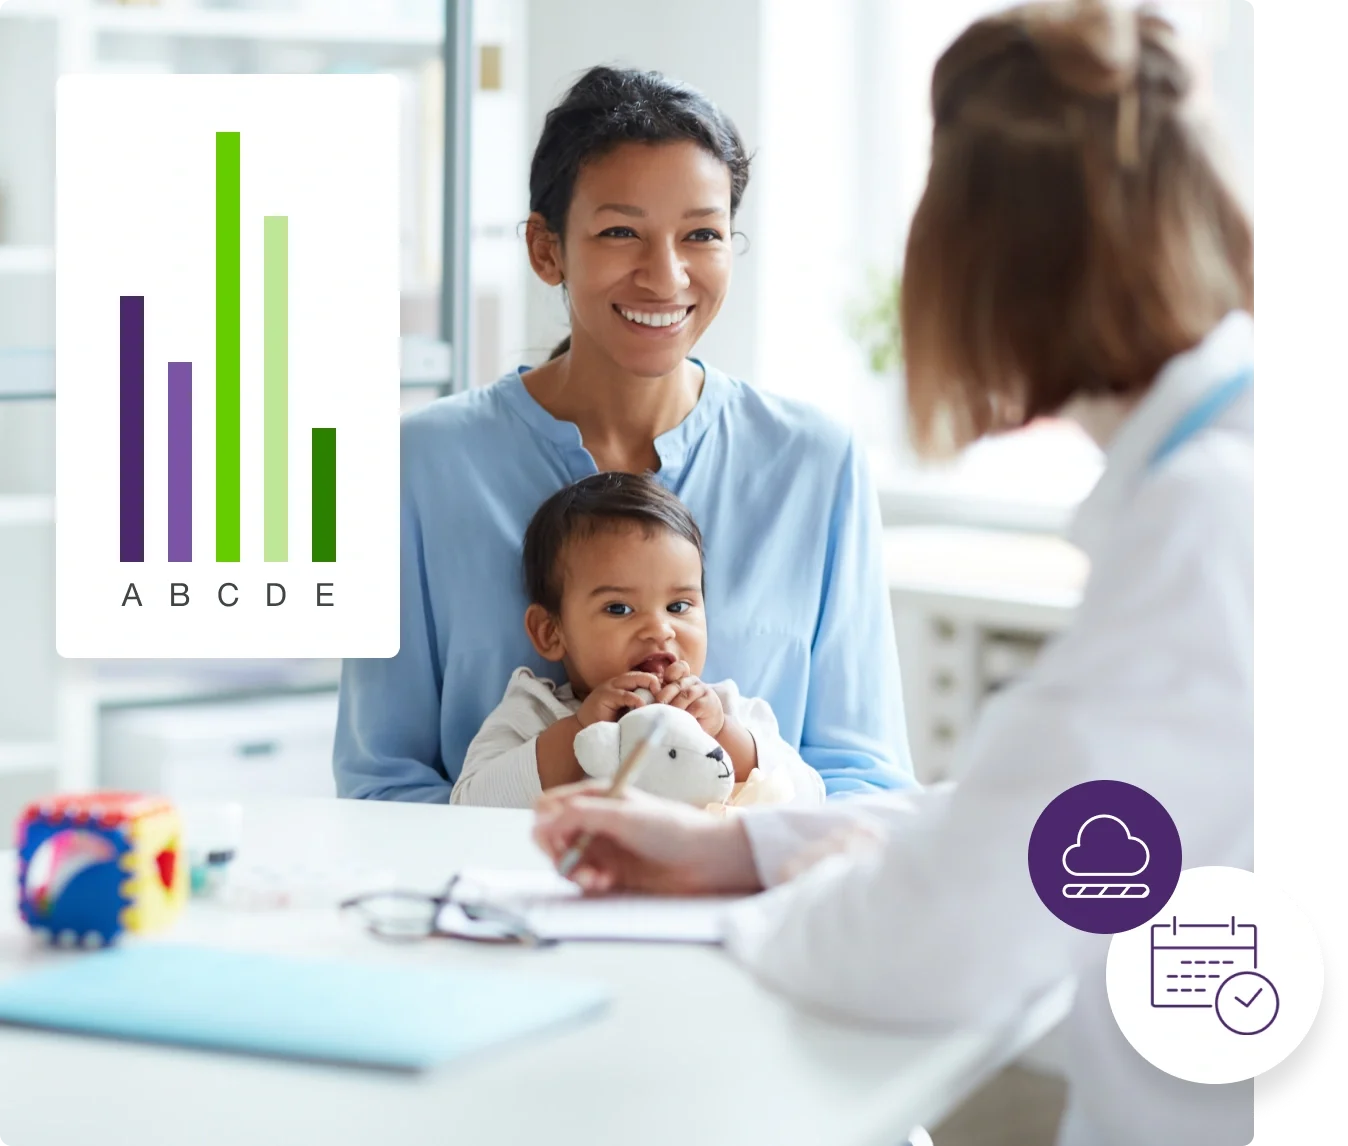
column 599, row 502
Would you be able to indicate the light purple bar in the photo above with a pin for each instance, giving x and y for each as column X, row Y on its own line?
column 180, row 461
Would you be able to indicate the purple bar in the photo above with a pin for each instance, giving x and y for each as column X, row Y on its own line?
column 133, row 428
column 180, row 461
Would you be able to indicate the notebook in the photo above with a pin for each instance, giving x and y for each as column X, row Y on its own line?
column 399, row 1017
column 554, row 908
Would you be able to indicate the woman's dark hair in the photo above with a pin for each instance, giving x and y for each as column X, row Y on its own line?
column 598, row 502
column 610, row 106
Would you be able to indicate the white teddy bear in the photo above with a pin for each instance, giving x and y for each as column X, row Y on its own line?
column 684, row 763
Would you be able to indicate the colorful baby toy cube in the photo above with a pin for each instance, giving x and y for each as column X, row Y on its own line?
column 94, row 865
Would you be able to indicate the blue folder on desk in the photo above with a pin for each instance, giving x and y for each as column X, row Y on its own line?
column 407, row 1018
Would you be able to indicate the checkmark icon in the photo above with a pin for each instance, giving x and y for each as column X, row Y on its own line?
column 1247, row 1003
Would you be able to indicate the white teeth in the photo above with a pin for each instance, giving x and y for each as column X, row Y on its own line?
column 670, row 319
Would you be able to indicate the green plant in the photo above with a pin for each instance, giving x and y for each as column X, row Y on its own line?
column 873, row 321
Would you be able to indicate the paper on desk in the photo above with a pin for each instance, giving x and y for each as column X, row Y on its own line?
column 554, row 908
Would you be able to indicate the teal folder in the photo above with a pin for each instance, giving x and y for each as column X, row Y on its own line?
column 404, row 1018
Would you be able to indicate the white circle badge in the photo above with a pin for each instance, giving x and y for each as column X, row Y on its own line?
column 1223, row 984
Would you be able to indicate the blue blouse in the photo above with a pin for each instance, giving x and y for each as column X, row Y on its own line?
column 797, row 606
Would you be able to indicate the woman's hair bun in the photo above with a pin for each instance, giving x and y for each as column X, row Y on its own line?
column 1101, row 50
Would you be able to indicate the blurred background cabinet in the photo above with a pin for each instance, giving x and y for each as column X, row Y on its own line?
column 972, row 609
column 203, row 752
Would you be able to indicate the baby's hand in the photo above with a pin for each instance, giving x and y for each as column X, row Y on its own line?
column 683, row 690
column 614, row 697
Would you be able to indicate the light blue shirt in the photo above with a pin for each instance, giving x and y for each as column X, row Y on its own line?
column 797, row 606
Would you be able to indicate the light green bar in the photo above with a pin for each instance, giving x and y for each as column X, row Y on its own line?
column 275, row 387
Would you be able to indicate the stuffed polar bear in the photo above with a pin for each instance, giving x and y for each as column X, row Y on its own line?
column 685, row 762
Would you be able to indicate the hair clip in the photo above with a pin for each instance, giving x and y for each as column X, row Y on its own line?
column 1126, row 138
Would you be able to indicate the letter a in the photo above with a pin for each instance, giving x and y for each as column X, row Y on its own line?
column 132, row 595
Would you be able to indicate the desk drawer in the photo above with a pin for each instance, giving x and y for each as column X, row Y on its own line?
column 222, row 751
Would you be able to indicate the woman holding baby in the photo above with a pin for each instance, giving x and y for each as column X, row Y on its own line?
column 777, row 634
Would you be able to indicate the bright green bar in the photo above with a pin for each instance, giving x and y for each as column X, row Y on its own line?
column 324, row 494
column 227, row 346
column 275, row 383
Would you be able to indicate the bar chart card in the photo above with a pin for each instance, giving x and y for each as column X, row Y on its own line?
column 227, row 355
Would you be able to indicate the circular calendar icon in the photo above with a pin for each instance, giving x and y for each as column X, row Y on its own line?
column 1193, row 990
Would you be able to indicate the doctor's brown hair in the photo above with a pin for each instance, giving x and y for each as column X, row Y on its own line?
column 1075, row 232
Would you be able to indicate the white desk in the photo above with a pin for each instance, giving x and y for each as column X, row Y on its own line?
column 691, row 1050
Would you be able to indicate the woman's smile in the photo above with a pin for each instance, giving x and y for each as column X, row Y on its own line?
column 655, row 323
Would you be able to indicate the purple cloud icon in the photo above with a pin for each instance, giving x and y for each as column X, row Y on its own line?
column 1087, row 865
column 1105, row 847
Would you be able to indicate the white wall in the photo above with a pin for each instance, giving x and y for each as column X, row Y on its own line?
column 713, row 45
column 845, row 131
column 1217, row 36
column 815, row 236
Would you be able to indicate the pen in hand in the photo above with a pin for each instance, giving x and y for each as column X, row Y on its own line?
column 576, row 852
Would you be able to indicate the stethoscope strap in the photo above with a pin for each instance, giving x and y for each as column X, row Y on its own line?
column 1199, row 417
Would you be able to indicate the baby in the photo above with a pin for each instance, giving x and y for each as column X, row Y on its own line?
column 613, row 569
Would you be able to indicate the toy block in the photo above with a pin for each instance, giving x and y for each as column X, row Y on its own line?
column 94, row 865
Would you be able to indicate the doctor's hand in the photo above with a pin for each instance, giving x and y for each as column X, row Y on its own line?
column 644, row 843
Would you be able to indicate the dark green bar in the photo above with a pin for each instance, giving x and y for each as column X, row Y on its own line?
column 227, row 346
column 324, row 492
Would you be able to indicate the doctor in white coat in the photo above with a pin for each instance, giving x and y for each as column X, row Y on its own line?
column 1076, row 252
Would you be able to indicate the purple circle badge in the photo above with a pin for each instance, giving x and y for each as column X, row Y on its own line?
column 1105, row 856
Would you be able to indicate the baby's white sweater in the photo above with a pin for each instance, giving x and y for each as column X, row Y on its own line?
column 500, row 769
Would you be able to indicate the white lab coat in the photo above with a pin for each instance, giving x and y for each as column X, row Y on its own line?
column 1152, row 684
